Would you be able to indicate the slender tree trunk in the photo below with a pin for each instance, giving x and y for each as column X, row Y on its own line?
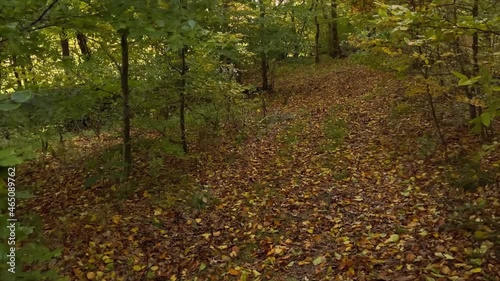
column 462, row 62
column 475, row 63
column 433, row 113
column 316, row 37
column 16, row 74
column 294, row 32
column 264, row 66
column 335, row 50
column 66, row 56
column 84, row 47
column 263, row 57
column 182, row 96
column 65, row 46
column 124, row 75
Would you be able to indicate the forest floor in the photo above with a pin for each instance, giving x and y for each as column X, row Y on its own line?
column 341, row 180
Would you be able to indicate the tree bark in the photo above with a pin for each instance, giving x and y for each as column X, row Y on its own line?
column 335, row 50
column 475, row 64
column 182, row 96
column 124, row 75
column 65, row 46
column 264, row 65
column 84, row 47
column 316, row 37
column 16, row 73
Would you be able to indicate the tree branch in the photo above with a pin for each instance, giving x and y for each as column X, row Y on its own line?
column 42, row 15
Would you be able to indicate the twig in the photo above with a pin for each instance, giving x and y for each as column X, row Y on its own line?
column 40, row 18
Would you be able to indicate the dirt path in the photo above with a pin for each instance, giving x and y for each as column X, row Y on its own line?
column 335, row 191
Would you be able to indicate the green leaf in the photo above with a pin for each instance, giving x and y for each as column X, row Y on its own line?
column 394, row 238
column 6, row 152
column 486, row 118
column 10, row 161
column 382, row 12
column 203, row 266
column 481, row 234
column 469, row 81
column 9, row 106
column 160, row 23
column 22, row 96
column 318, row 260
column 459, row 75
column 191, row 23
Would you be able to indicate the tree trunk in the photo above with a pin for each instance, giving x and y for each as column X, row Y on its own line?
column 82, row 43
column 316, row 37
column 124, row 75
column 462, row 62
column 65, row 46
column 182, row 96
column 264, row 65
column 335, row 50
column 475, row 63
column 16, row 74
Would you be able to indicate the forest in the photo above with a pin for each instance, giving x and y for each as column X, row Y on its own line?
column 285, row 140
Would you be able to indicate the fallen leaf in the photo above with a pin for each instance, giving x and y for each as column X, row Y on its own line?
column 318, row 260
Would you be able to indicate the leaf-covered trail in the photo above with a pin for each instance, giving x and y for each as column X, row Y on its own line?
column 361, row 208
column 327, row 188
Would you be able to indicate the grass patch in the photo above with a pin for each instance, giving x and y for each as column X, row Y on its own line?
column 400, row 110
column 335, row 130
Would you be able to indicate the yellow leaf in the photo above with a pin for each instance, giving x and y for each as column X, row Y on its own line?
column 198, row 220
column 304, row 262
column 116, row 219
column 137, row 267
column 445, row 270
column 255, row 272
column 234, row 272
column 163, row 5
column 310, row 230
column 480, row 234
column 91, row 275
column 475, row 270
column 173, row 277
column 146, row 194
column 154, row 268
column 158, row 211
column 393, row 238
column 278, row 250
column 134, row 229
